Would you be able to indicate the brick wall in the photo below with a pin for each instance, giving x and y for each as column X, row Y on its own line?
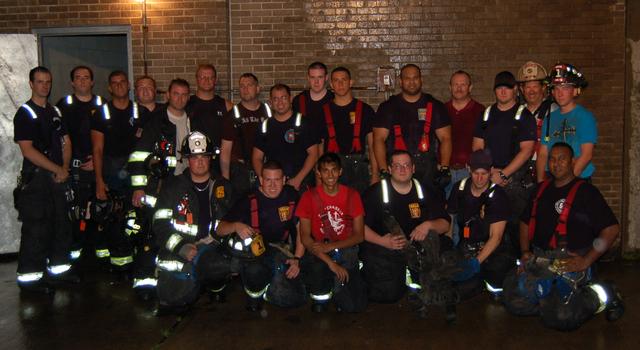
column 277, row 39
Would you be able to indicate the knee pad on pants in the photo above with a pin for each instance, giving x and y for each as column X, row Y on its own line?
column 177, row 288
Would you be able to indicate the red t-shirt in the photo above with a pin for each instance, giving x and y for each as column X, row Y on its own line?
column 463, row 123
column 340, row 209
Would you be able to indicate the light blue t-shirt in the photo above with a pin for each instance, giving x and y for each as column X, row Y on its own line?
column 575, row 128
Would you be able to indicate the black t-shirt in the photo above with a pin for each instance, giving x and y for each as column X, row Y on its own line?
column 469, row 209
column 589, row 215
column 411, row 118
column 275, row 215
column 45, row 129
column 287, row 143
column 502, row 133
column 204, row 219
column 344, row 118
column 76, row 116
column 206, row 116
column 242, row 130
column 122, row 128
column 408, row 209
column 313, row 109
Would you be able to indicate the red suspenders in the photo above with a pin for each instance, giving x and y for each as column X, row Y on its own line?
column 561, row 227
column 303, row 104
column 332, row 145
column 424, row 141
column 255, row 221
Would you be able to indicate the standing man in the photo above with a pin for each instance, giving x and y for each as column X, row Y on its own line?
column 464, row 113
column 331, row 227
column 509, row 134
column 239, row 129
column 184, row 225
column 563, row 233
column 532, row 80
column 309, row 102
column 571, row 123
column 115, row 129
column 154, row 159
column 399, row 211
column 205, row 109
column 346, row 130
column 77, row 110
column 266, row 217
column 43, row 188
column 145, row 90
column 418, row 123
column 287, row 139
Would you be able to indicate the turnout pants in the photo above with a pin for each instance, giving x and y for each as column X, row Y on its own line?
column 84, row 230
column 519, row 192
column 492, row 273
column 557, row 309
column 426, row 166
column 120, row 246
column 265, row 276
column 384, row 271
column 242, row 177
column 323, row 286
column 179, row 281
column 355, row 171
column 46, row 228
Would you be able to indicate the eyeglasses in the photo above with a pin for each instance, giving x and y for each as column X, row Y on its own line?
column 398, row 166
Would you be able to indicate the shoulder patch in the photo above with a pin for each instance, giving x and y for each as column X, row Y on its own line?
column 220, row 192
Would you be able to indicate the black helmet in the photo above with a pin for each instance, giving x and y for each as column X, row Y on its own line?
column 197, row 143
column 248, row 248
column 563, row 73
column 105, row 211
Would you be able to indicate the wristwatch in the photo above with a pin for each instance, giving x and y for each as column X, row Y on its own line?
column 503, row 176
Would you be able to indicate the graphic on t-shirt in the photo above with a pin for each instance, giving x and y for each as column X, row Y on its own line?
column 290, row 136
column 422, row 114
column 336, row 219
column 560, row 205
column 565, row 130
column 284, row 214
column 414, row 209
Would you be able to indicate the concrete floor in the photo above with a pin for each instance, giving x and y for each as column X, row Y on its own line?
column 103, row 313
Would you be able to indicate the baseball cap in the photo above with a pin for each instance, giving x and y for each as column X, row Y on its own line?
column 480, row 159
column 504, row 78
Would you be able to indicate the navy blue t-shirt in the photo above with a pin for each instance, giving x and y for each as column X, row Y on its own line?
column 469, row 209
column 45, row 129
column 286, row 143
column 275, row 215
column 76, row 116
column 502, row 133
column 408, row 209
column 589, row 215
column 411, row 116
column 344, row 118
column 122, row 128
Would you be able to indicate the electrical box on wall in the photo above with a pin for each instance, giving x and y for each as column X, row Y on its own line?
column 386, row 79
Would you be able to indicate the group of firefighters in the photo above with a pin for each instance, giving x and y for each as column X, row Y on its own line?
column 319, row 197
